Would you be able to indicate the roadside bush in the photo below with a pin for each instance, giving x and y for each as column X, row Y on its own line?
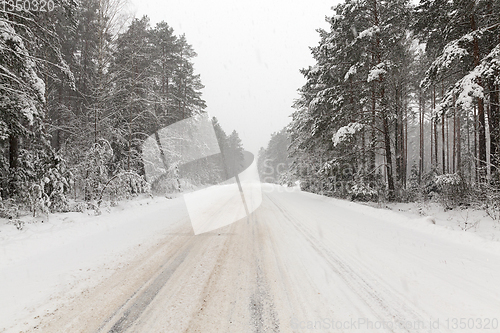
column 487, row 197
column 93, row 171
column 56, row 184
column 8, row 209
column 452, row 190
column 123, row 186
column 78, row 207
column 39, row 200
column 363, row 192
column 59, row 202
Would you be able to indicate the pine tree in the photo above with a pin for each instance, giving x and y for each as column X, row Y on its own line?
column 464, row 60
column 357, row 86
column 22, row 99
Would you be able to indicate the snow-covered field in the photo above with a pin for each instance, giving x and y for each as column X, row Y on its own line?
column 300, row 263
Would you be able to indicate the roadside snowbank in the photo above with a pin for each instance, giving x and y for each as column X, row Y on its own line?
column 483, row 234
column 73, row 251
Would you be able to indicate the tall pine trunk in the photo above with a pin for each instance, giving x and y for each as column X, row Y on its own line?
column 480, row 104
column 435, row 121
column 443, row 140
column 421, row 137
column 458, row 145
column 13, row 161
column 384, row 109
column 494, row 120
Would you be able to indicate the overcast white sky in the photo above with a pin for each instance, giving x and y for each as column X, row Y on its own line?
column 249, row 55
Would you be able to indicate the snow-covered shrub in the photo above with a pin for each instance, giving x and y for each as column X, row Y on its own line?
column 487, row 197
column 362, row 192
column 123, row 186
column 78, row 207
column 59, row 202
column 187, row 184
column 105, row 206
column 167, row 182
column 22, row 178
column 286, row 178
column 57, row 182
column 93, row 171
column 17, row 223
column 94, row 206
column 413, row 191
column 452, row 190
column 421, row 188
column 39, row 200
column 8, row 209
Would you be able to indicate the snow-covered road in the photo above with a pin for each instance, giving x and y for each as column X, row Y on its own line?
column 300, row 263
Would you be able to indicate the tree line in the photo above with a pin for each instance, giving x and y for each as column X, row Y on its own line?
column 273, row 163
column 402, row 99
column 81, row 88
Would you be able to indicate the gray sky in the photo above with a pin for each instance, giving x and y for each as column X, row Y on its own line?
column 249, row 56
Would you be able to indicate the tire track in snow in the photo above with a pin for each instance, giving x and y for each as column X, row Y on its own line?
column 143, row 298
column 262, row 309
column 383, row 302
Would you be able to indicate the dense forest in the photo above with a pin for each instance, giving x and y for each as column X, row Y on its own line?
column 402, row 103
column 81, row 87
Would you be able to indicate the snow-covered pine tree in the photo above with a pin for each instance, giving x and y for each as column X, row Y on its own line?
column 357, row 84
column 22, row 98
column 463, row 36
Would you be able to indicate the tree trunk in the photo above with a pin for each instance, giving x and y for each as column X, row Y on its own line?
column 447, row 145
column 13, row 151
column 480, row 104
column 398, row 136
column 373, row 131
column 431, row 131
column 469, row 165
column 459, row 143
column 388, row 156
column 443, row 140
column 385, row 120
column 421, row 138
column 13, row 161
column 476, row 155
column 403, row 149
column 443, row 148
column 435, row 129
column 488, row 144
column 494, row 120
column 405, row 161
column 453, row 168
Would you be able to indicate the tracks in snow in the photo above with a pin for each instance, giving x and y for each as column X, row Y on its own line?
column 386, row 304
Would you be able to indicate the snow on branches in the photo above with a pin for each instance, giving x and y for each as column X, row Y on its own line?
column 467, row 89
column 346, row 132
column 351, row 72
column 453, row 52
column 378, row 71
column 18, row 76
column 369, row 32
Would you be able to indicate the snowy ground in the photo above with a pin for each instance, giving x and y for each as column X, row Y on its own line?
column 300, row 263
column 51, row 262
column 470, row 220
